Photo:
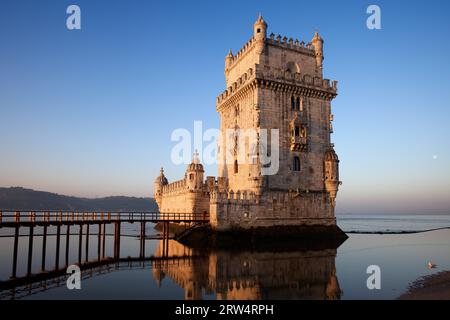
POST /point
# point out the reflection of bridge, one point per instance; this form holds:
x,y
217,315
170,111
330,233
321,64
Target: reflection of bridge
x,y
21,287
58,219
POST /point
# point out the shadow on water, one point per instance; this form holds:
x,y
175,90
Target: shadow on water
x,y
300,270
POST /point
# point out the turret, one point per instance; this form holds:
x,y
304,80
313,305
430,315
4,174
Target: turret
x,y
317,42
194,174
228,61
331,180
160,181
259,33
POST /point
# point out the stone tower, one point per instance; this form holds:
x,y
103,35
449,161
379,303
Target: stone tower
x,y
277,165
160,182
276,82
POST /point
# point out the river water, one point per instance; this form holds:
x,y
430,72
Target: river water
x,y
174,271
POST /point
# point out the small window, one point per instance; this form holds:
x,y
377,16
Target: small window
x,y
191,176
296,163
258,30
236,166
297,104
292,103
297,131
303,132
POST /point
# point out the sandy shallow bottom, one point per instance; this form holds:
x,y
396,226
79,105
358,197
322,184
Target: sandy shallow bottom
x,y
433,287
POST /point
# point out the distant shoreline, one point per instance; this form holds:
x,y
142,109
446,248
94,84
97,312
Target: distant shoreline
x,y
396,232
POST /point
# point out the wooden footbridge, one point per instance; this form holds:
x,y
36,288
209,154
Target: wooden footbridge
x,y
64,221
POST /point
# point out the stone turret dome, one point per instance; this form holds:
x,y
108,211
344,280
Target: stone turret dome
x,y
330,155
195,165
316,37
161,179
260,21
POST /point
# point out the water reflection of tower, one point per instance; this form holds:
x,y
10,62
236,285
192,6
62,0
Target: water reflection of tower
x,y
188,270
250,275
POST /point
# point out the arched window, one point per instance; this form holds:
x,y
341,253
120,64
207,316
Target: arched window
x,y
297,131
296,163
297,104
236,167
292,103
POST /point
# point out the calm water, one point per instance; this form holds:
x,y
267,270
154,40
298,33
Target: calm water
x,y
186,273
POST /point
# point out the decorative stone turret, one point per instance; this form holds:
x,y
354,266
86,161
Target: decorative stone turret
x,y
160,181
317,42
194,174
228,62
331,174
259,33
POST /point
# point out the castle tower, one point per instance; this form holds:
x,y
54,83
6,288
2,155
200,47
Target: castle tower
x,y
194,174
275,86
160,181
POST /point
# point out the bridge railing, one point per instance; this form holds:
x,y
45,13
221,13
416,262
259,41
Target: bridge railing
x,y
55,216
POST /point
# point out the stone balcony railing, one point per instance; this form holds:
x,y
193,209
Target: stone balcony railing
x,y
299,143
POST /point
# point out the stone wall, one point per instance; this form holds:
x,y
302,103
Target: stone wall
x,y
243,210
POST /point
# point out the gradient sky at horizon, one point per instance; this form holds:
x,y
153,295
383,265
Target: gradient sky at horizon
x,y
90,112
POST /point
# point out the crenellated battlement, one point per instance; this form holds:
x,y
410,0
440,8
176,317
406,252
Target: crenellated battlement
x,y
297,79
278,40
242,52
322,87
244,197
175,186
290,43
242,81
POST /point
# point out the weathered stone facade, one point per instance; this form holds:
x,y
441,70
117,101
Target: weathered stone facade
x,y
272,83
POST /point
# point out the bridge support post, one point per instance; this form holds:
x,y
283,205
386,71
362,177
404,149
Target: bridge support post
x,y
16,246
104,239
142,244
99,241
116,240
87,242
58,240
80,243
67,244
44,248
30,249
165,248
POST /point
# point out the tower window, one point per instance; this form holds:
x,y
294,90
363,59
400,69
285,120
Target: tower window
x,y
297,104
258,30
296,163
292,103
303,132
236,167
297,131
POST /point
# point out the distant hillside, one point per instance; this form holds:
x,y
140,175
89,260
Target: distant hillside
x,y
17,198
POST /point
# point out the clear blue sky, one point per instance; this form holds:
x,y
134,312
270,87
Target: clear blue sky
x,y
90,112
